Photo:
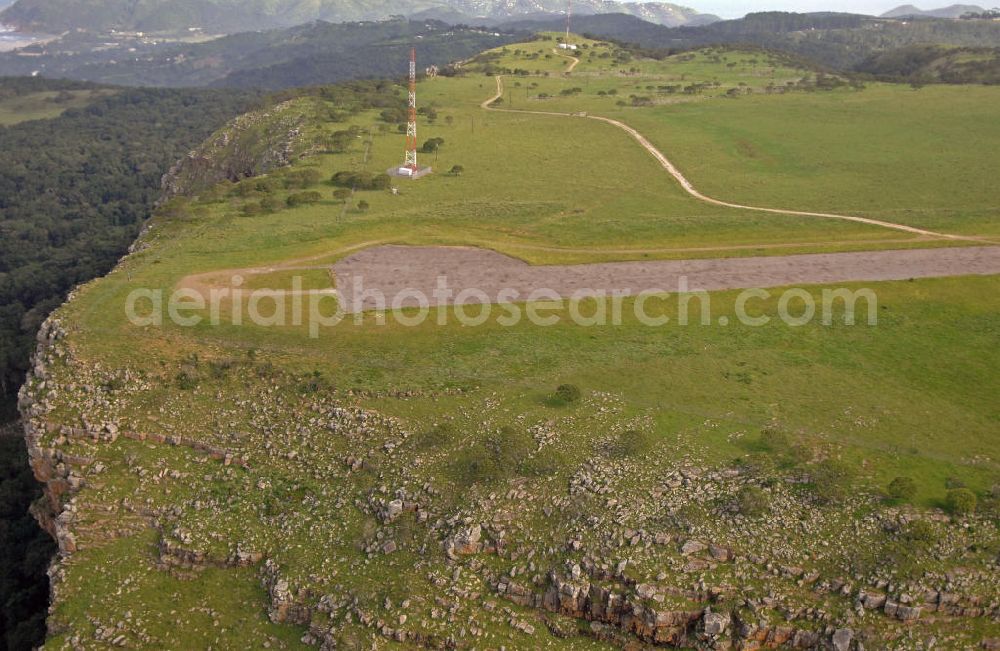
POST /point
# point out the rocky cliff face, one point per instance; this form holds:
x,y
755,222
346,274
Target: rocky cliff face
x,y
250,145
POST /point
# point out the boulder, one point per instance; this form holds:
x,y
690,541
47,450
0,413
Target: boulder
x,y
693,547
842,639
715,624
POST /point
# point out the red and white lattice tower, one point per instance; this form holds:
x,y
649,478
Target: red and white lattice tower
x,y
411,124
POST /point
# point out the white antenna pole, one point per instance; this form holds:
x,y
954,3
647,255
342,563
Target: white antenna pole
x,y
569,17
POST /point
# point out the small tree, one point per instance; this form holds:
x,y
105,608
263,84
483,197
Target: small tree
x,y
960,501
270,204
902,488
456,170
363,206
303,198
342,194
432,145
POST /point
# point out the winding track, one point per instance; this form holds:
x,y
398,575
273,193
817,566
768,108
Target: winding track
x,y
573,59
691,190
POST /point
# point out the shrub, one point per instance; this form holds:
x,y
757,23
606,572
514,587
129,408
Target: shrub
x,y
906,553
219,368
269,204
187,379
632,443
831,480
902,488
362,180
301,179
456,170
919,533
510,446
783,447
500,455
752,501
436,436
567,393
303,198
244,189
363,206
960,501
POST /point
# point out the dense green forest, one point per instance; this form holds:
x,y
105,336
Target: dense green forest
x,y
74,191
838,41
317,53
25,550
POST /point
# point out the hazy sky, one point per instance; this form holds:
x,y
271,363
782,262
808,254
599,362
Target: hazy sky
x,y
737,8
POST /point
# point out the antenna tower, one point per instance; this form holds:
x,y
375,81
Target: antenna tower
x,y
411,125
569,18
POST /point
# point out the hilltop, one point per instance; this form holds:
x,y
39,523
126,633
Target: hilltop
x,y
228,480
951,11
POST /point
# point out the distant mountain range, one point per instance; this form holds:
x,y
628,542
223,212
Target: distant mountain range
x,y
232,16
954,11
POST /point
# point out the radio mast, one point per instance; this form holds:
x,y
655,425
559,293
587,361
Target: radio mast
x,y
569,18
411,125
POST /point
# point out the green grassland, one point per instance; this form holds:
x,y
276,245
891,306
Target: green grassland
x,y
44,105
888,151
913,395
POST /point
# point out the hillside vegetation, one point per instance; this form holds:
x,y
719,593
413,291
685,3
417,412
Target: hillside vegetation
x,y
922,64
565,487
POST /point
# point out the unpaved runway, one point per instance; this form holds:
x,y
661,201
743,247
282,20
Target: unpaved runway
x,y
390,270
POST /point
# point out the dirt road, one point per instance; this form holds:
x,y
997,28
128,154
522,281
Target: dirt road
x,y
573,61
392,269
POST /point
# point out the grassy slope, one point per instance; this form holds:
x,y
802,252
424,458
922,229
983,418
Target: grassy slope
x,y
920,158
40,106
915,394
